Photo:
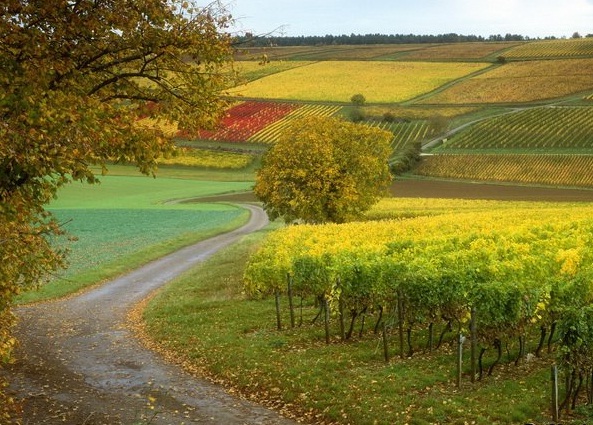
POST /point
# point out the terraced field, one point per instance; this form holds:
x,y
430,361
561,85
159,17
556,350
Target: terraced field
x,y
557,128
552,49
538,169
521,82
497,92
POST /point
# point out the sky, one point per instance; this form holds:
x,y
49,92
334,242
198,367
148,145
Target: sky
x,y
531,18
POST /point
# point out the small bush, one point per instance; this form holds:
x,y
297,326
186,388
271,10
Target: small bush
x,y
358,99
357,115
389,117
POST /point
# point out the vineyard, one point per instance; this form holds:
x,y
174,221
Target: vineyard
x,y
263,122
567,129
337,81
520,82
404,133
555,170
502,278
318,53
271,132
420,91
552,49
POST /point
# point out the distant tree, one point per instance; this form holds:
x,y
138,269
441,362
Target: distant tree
x,y
576,35
75,76
324,170
358,99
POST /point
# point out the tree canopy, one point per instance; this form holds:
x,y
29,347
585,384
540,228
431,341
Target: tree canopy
x,y
75,76
324,170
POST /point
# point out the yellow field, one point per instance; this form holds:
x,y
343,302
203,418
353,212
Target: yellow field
x,y
381,82
208,159
521,82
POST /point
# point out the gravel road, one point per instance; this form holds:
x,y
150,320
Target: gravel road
x,y
79,364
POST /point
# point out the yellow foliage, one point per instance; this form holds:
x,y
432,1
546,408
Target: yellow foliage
x,y
208,159
169,129
569,260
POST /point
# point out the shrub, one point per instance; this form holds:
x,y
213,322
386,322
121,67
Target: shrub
x,y
358,99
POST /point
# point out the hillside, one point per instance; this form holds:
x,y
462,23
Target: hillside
x,y
528,104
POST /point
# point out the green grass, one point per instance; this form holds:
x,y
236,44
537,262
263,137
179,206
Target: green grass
x,y
207,322
128,220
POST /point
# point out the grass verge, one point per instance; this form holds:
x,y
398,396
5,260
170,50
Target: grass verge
x,y
204,321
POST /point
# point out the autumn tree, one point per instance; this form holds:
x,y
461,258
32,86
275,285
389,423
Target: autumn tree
x,y
324,170
75,76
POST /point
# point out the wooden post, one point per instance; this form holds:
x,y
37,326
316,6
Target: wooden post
x,y
326,308
474,343
460,340
341,313
385,344
555,412
400,319
278,320
290,304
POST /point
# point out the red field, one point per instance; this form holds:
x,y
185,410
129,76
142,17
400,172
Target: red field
x,y
245,119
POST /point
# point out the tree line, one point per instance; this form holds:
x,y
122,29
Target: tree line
x,y
249,39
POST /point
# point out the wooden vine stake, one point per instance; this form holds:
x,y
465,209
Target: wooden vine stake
x,y
474,343
326,308
278,320
400,319
555,411
290,303
460,340
341,314
385,344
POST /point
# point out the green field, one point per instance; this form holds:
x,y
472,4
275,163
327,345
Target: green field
x,y
128,220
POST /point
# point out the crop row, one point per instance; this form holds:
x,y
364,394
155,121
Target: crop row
x,y
270,133
258,121
245,119
532,129
556,170
404,133
506,271
552,49
520,82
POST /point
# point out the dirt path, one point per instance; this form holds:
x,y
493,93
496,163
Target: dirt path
x,y
79,364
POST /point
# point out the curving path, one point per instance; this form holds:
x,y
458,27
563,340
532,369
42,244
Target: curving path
x,y
79,364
